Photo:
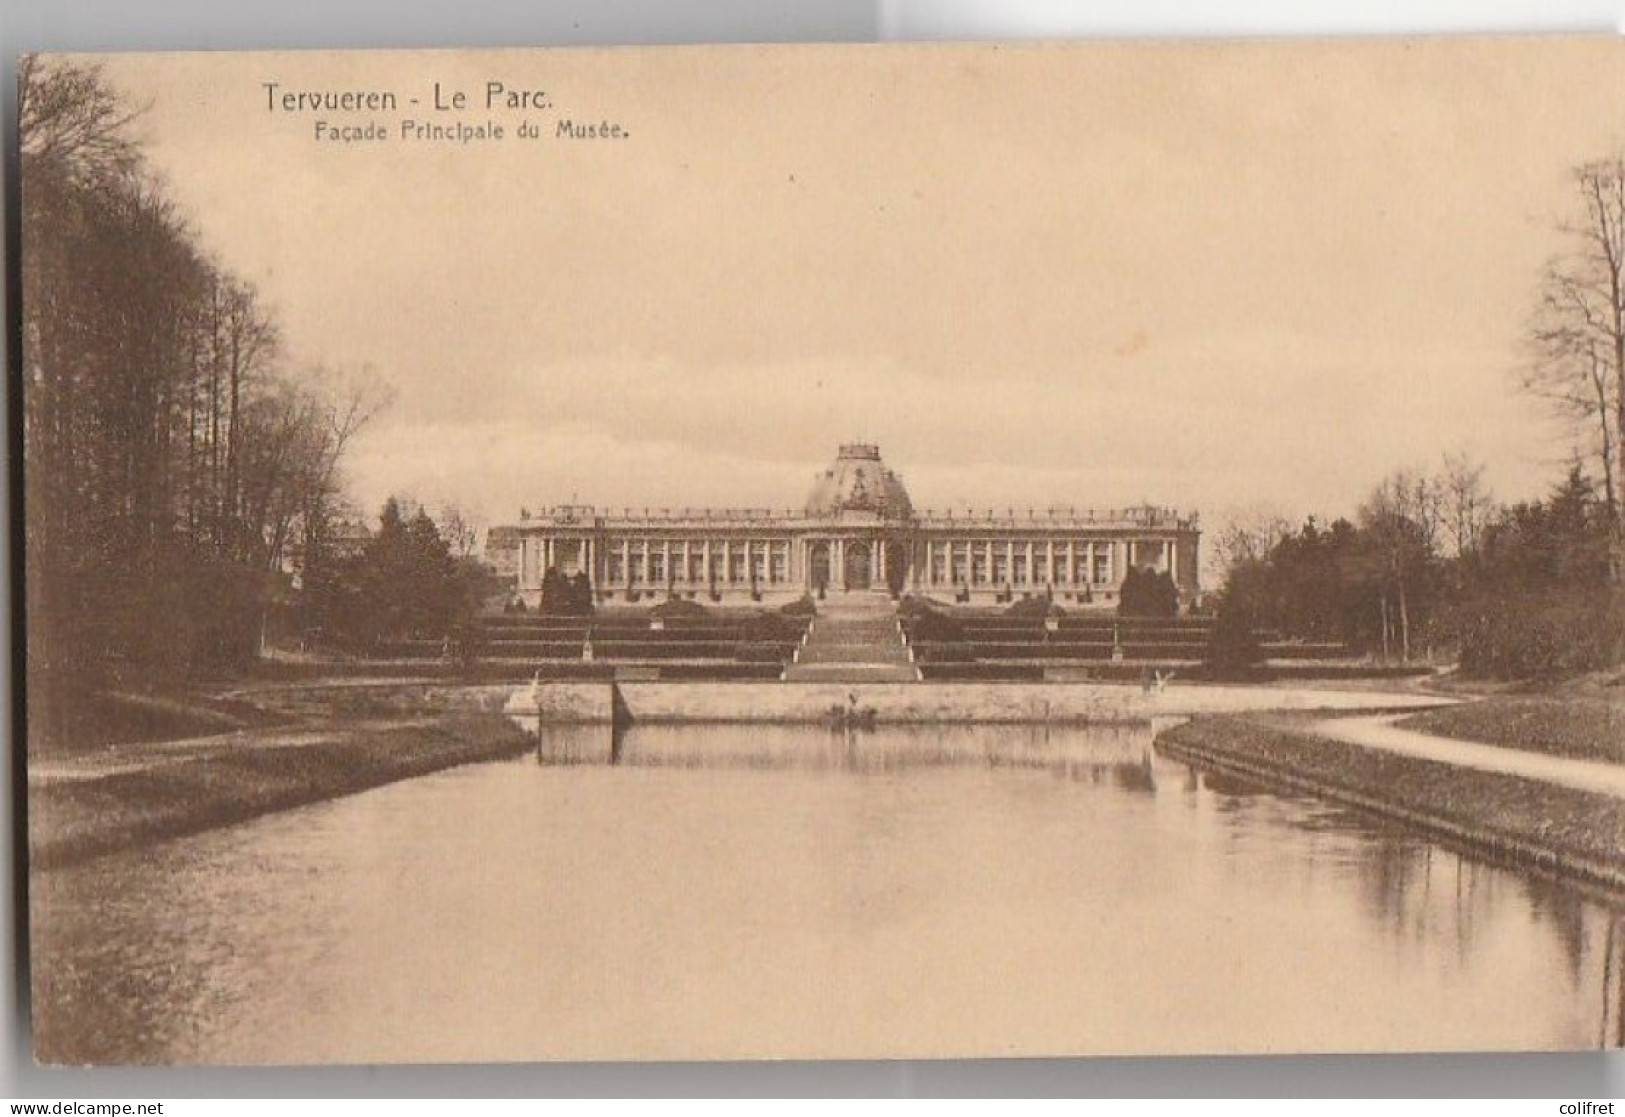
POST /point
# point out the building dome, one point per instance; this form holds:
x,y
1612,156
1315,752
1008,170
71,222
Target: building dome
x,y
859,482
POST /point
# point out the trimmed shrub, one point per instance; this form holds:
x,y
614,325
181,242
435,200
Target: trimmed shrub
x,y
677,608
803,607
772,627
1035,608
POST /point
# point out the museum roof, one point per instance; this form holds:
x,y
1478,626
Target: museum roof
x,y
859,487
858,481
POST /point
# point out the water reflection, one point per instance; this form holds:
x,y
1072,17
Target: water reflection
x,y
1124,753
730,891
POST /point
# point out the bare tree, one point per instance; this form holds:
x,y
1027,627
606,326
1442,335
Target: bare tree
x,y
1576,356
1467,503
70,119
339,407
459,528
1247,535
1401,520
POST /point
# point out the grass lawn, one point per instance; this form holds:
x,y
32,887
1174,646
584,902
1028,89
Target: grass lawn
x,y
72,819
1579,726
1508,815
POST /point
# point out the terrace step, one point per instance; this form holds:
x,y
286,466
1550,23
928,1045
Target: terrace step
x,y
855,638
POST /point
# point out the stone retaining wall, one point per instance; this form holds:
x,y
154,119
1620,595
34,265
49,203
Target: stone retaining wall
x,y
899,703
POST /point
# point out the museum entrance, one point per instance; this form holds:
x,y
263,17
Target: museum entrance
x,y
896,564
818,567
857,566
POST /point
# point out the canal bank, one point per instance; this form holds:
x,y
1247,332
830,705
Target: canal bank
x,y
907,703
83,805
1525,823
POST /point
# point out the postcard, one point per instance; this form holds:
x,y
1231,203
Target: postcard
x,y
825,552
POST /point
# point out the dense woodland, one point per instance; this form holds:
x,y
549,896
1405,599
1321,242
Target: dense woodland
x,y
1515,592
176,466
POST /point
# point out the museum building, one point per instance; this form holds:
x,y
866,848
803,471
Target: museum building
x,y
857,531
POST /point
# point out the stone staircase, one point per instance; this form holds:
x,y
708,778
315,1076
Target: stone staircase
x,y
855,638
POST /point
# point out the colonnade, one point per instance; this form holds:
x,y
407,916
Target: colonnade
x,y
933,560
996,562
617,560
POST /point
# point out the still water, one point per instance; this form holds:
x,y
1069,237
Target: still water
x,y
789,892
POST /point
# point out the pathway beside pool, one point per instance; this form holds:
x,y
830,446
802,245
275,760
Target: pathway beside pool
x,y
1379,732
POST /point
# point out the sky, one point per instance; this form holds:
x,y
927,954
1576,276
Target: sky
x,y
1210,276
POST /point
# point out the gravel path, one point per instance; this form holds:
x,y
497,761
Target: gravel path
x,y
1380,733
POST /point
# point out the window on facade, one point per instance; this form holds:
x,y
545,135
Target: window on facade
x,y
696,564
1020,567
939,566
657,566
1001,572
779,571
736,564
614,570
1103,568
978,567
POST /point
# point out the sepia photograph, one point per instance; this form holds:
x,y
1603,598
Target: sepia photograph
x,y
946,551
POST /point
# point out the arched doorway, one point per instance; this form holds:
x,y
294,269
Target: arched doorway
x,y
896,567
857,566
818,567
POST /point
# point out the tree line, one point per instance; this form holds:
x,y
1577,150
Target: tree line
x,y
1431,563
173,463
411,578
1433,569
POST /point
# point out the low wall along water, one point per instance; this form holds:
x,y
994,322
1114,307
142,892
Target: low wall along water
x,y
916,703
